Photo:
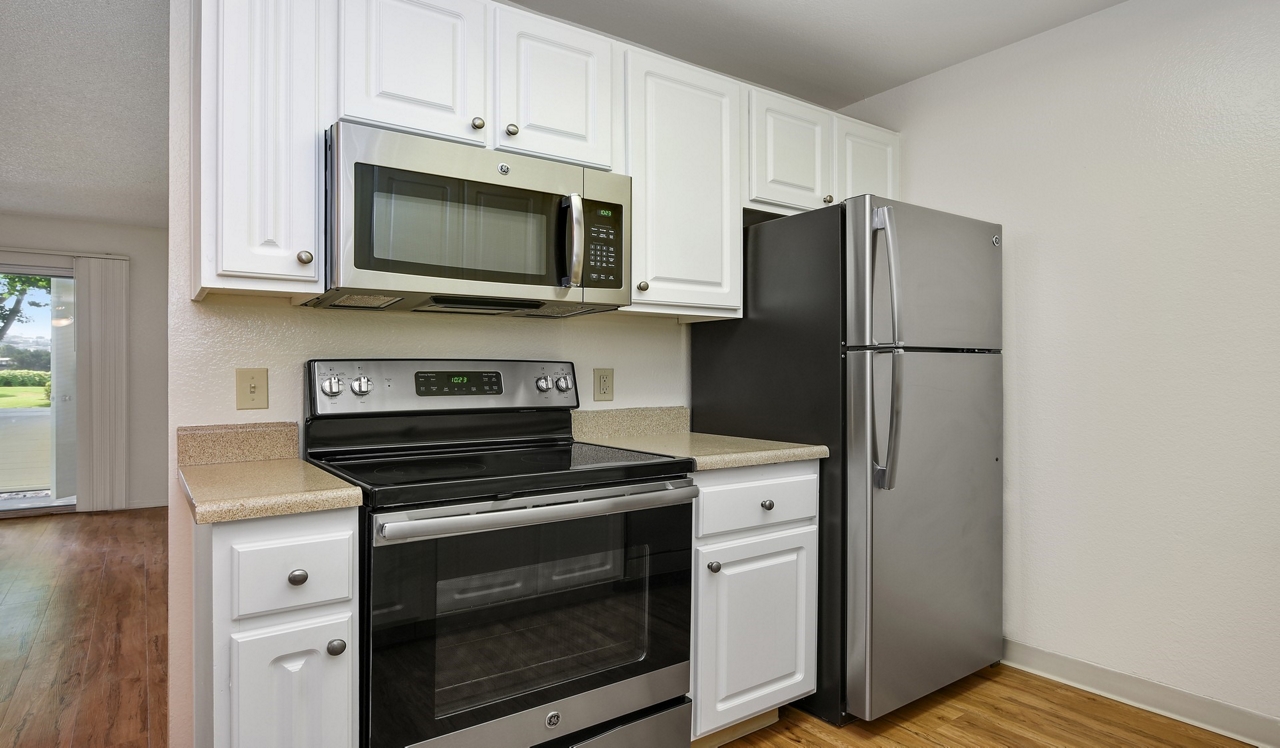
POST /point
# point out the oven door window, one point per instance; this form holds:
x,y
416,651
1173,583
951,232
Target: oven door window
x,y
421,224
473,628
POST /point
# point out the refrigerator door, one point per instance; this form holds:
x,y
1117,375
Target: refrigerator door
x,y
925,558
947,270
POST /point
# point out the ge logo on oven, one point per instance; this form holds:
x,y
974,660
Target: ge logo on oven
x,y
553,719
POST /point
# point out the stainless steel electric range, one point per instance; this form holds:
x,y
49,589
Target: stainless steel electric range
x,y
518,588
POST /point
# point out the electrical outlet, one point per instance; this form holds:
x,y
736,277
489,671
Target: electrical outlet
x,y
251,389
604,384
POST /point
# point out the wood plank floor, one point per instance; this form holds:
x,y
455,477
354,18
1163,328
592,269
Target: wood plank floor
x,y
1000,706
83,630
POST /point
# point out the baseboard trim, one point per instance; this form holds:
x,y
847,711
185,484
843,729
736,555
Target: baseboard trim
x,y
1218,716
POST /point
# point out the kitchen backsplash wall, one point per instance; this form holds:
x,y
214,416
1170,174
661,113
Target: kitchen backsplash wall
x,y
211,338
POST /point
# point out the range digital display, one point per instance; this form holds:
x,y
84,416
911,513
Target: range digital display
x,y
448,383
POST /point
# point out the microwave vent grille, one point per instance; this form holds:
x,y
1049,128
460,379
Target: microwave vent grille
x,y
365,301
563,311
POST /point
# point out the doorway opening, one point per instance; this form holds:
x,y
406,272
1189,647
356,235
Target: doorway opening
x,y
37,390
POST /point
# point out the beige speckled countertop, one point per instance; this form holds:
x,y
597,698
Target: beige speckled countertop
x,y
263,488
245,471
666,431
713,452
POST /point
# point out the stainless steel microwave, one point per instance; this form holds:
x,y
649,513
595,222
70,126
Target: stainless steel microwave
x,y
417,224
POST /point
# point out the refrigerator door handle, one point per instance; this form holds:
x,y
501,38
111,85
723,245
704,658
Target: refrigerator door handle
x,y
882,220
886,475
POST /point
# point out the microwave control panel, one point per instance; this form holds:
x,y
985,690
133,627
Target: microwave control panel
x,y
603,267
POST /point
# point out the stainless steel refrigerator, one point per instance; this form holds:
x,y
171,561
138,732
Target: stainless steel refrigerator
x,y
873,327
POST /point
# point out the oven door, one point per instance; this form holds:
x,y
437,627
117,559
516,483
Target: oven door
x,y
443,226
487,619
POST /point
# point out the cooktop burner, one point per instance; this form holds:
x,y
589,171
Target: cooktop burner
x,y
426,477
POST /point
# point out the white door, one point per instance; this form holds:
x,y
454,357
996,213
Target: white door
x,y
416,64
288,691
790,151
555,90
756,625
866,160
263,182
683,146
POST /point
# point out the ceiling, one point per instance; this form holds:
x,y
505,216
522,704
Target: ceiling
x,y
84,85
830,52
84,109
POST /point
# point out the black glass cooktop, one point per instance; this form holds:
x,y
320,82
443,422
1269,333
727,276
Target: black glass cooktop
x,y
439,476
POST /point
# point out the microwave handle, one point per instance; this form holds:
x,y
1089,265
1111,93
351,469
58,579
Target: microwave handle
x,y
576,241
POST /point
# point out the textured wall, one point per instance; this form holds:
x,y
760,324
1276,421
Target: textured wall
x,y
148,260
211,338
1133,157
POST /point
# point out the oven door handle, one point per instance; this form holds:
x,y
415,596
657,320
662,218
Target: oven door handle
x,y
443,527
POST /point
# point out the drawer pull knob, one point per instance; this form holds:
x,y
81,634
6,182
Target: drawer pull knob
x,y
298,577
336,647
714,566
767,504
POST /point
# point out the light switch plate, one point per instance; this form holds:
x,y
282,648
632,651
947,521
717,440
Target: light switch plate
x,y
604,384
251,389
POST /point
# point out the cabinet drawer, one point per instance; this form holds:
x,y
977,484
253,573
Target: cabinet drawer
x,y
260,573
740,506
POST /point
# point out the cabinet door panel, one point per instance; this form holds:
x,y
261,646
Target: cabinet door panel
x,y
262,154
555,85
790,151
867,160
756,639
288,692
418,64
683,155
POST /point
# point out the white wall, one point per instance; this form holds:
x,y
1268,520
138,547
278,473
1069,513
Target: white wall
x,y
211,338
1133,157
146,249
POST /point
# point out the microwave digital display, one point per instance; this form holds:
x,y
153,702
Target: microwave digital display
x,y
446,383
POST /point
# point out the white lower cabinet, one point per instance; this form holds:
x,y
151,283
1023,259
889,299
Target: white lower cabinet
x,y
755,593
290,685
276,632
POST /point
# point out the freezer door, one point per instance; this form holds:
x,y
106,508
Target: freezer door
x,y
947,270
925,558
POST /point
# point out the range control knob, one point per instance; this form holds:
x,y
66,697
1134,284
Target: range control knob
x,y
331,386
563,384
361,385
543,383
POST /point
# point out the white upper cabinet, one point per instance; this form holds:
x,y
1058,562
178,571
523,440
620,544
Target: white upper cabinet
x,y
866,160
418,64
683,154
554,90
268,97
790,152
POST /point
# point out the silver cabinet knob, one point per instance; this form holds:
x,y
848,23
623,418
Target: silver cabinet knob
x,y
305,257
767,504
642,286
298,577
714,566
477,123
828,199
512,130
361,385
336,647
